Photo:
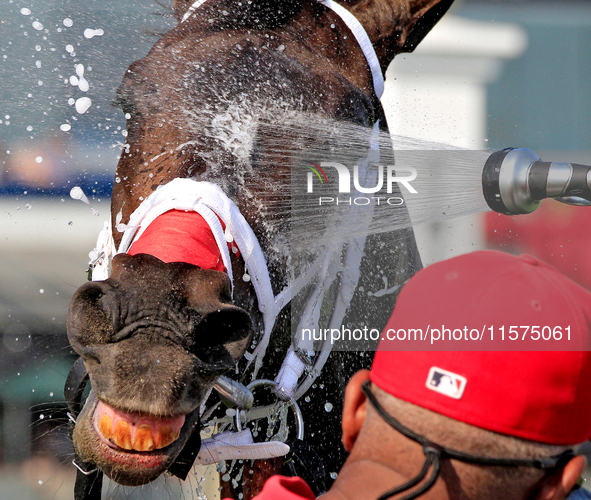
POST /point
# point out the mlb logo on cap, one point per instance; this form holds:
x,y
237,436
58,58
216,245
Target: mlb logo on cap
x,y
446,383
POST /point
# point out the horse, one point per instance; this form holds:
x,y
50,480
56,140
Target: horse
x,y
194,291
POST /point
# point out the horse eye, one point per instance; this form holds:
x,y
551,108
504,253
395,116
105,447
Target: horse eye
x,y
126,105
124,101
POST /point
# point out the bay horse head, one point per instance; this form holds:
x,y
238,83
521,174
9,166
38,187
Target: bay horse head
x,y
157,333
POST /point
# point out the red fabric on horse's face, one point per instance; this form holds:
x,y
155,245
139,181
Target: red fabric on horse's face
x,y
178,236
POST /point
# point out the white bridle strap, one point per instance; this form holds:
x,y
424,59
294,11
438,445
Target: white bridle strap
x,y
364,42
192,9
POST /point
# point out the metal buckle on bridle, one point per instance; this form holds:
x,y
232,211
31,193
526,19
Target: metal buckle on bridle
x,y
299,418
85,472
93,264
302,460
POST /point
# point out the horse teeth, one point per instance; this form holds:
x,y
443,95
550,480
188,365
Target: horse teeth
x,y
106,426
164,437
143,439
122,435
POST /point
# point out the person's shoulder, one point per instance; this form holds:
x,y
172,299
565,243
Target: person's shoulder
x,y
285,488
580,494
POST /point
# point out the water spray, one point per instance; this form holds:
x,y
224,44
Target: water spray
x,y
515,181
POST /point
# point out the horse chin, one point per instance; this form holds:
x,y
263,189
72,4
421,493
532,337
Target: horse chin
x,y
127,467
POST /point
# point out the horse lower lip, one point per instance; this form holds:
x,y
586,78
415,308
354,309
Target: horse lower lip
x,y
134,431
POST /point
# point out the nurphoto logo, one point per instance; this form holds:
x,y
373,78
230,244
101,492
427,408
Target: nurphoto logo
x,y
375,178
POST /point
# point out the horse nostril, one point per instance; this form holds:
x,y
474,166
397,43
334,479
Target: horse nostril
x,y
90,356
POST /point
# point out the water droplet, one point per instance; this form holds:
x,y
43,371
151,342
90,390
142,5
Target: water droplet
x,y
83,84
83,104
68,23
328,407
76,193
25,11
41,290
51,394
333,475
39,159
70,223
90,33
37,25
65,127
246,278
29,128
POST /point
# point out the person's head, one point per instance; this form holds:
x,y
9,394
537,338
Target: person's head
x,y
526,408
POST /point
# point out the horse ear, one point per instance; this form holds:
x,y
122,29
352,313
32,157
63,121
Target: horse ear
x,y
432,12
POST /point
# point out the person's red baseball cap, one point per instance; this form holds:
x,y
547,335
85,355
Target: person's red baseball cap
x,y
542,396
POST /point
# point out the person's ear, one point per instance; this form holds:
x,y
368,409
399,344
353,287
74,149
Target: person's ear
x,y
558,485
354,409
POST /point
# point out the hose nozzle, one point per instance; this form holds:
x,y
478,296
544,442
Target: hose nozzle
x,y
515,181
